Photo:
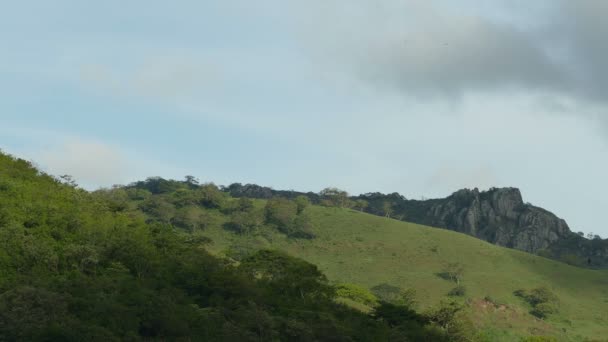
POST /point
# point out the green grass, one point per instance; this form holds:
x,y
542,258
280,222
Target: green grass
x,y
354,247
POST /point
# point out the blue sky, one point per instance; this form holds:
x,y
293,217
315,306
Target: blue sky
x,y
418,97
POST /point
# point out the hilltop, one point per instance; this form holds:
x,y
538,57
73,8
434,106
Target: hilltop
x,y
499,216
354,247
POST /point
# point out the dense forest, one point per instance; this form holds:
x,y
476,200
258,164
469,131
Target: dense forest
x,y
130,263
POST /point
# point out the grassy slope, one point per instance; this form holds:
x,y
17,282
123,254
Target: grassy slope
x,y
368,250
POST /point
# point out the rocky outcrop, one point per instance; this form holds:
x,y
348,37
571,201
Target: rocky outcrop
x,y
499,216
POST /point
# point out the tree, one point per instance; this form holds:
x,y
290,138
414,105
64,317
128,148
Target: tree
x,y
210,196
68,180
244,204
454,271
448,316
302,202
287,274
543,301
191,180
280,212
458,291
302,227
158,208
335,196
188,218
245,222
387,208
361,204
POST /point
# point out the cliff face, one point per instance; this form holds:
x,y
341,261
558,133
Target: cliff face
x,y
499,216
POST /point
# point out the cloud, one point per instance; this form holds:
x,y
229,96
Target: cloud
x,y
580,29
91,163
424,49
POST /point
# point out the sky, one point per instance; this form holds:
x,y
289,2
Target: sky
x,y
417,97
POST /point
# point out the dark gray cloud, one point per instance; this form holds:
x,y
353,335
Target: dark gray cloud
x,y
581,30
428,48
467,54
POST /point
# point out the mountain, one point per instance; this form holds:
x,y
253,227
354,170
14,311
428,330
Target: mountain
x,y
499,216
371,251
499,288
162,260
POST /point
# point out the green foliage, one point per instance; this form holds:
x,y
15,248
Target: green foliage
x,y
245,222
189,218
290,275
387,292
453,271
458,291
358,248
448,316
335,197
543,301
302,202
361,204
543,310
395,295
280,212
79,266
210,196
283,214
357,293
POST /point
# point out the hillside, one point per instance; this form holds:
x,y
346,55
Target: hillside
x,y
355,247
80,266
499,216
178,260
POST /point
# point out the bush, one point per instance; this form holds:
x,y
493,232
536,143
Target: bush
x,y
386,292
541,295
543,310
458,291
395,295
543,301
357,293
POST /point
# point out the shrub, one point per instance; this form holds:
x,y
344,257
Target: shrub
x,y
458,291
541,295
357,293
395,295
543,310
543,301
386,292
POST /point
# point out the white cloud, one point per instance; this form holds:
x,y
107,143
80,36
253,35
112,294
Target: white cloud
x,y
91,163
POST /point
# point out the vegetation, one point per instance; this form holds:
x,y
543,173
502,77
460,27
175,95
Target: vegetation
x,y
458,291
356,293
390,257
543,301
131,264
179,260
